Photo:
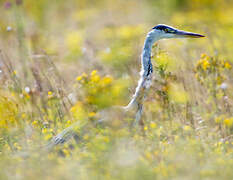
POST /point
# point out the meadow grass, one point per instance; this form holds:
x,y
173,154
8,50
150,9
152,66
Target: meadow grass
x,y
75,62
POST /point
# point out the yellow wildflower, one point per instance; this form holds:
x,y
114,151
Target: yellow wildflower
x,y
44,130
148,155
187,128
91,114
203,55
95,78
205,64
34,123
23,115
48,136
66,152
153,125
106,139
94,72
27,96
68,122
79,78
227,65
228,122
107,80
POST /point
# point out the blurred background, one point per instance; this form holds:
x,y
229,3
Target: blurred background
x,y
66,61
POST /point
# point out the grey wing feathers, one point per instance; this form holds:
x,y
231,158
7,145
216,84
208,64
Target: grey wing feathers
x,y
61,138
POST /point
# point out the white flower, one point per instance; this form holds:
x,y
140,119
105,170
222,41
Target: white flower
x,y
9,28
27,89
223,86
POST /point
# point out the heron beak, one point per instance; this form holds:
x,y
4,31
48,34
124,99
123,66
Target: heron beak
x,y
188,34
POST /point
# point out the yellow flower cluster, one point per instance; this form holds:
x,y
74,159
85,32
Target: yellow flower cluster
x,y
48,133
8,112
211,66
206,62
99,91
78,110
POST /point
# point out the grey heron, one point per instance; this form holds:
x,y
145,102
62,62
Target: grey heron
x,y
161,31
158,32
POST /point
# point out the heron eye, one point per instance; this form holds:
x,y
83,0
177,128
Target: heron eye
x,y
166,30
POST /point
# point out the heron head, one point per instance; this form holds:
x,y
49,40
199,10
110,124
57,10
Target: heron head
x,y
163,31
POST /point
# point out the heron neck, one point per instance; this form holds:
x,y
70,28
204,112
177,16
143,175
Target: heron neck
x,y
146,70
150,40
146,54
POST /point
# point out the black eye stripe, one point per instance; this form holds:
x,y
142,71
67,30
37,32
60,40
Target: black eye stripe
x,y
160,27
164,28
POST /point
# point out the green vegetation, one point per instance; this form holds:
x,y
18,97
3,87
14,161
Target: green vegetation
x,y
65,62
